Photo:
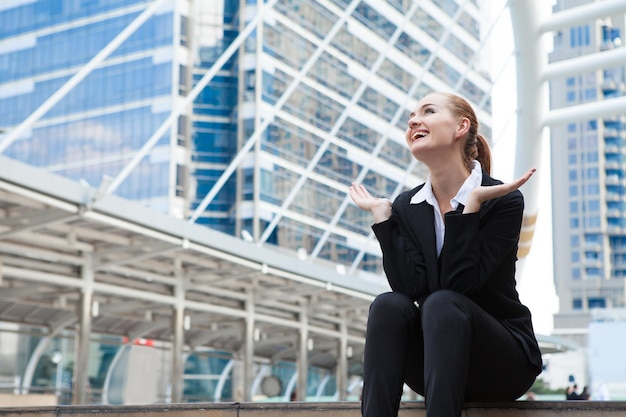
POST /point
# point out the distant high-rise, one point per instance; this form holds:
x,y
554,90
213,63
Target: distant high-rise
x,y
588,162
313,96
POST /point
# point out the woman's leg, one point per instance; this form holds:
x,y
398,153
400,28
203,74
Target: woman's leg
x,y
393,336
468,355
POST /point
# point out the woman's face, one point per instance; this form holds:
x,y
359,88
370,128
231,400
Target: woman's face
x,y
431,127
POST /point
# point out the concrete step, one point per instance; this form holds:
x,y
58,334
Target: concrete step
x,y
329,409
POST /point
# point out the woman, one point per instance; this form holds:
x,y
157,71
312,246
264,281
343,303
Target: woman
x,y
453,329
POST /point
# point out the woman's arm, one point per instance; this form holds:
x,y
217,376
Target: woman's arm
x,y
481,194
403,262
476,244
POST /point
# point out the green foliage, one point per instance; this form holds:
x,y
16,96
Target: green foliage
x,y
540,387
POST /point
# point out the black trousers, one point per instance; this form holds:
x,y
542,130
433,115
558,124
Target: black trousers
x,y
450,351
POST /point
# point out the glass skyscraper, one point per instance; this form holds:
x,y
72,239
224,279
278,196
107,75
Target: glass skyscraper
x,y
588,173
311,96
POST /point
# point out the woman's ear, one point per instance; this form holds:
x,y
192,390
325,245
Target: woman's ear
x,y
463,128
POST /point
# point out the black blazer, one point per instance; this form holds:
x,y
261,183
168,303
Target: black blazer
x,y
477,259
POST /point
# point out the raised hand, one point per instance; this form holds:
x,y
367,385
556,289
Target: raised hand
x,y
482,194
380,207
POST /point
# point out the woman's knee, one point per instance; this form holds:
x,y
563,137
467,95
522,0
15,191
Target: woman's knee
x,y
444,305
392,305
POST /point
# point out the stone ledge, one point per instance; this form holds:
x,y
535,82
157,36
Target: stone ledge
x,y
314,409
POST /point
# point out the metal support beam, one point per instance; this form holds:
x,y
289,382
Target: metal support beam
x,y
587,111
124,349
41,347
248,349
342,361
178,323
81,374
577,15
80,75
270,118
586,63
295,189
188,100
303,354
47,220
221,382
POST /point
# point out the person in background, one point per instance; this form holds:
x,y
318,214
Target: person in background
x,y
452,328
572,393
585,394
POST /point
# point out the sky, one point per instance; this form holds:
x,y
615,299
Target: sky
x,y
535,271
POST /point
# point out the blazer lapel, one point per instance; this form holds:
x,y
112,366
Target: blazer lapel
x,y
422,221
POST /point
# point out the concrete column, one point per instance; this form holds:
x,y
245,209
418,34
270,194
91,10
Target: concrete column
x,y
178,323
532,103
248,349
303,354
342,361
81,376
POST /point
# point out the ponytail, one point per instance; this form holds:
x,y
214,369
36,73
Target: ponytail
x,y
484,153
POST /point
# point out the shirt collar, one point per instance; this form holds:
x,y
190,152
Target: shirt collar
x,y
473,181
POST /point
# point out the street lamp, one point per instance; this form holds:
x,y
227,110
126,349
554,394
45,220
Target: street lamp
x,y
57,359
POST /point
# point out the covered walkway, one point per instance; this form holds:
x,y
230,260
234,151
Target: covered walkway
x,y
74,259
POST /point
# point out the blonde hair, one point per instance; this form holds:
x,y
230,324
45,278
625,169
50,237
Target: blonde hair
x,y
476,146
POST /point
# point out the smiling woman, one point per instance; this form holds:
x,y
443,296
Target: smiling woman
x,y
447,111
453,323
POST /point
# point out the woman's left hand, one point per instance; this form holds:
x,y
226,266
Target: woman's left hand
x,y
482,194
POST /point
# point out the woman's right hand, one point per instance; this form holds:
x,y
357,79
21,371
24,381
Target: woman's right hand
x,y
380,207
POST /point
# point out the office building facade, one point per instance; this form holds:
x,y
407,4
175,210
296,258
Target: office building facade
x,y
248,117
322,87
589,192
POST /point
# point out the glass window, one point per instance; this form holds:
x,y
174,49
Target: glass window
x,y
593,205
592,157
594,221
592,273
571,144
592,173
590,94
573,175
593,189
558,40
591,141
573,191
374,20
577,304
596,302
593,239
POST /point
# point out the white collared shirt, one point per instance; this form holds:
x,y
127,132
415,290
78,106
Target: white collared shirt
x,y
426,194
